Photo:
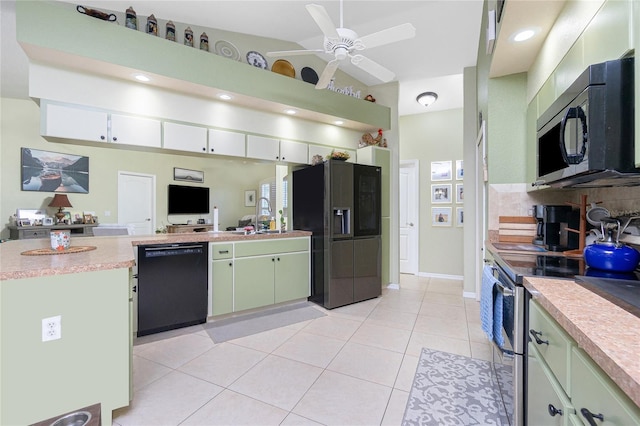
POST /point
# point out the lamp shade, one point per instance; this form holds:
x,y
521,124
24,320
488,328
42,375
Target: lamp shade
x,y
60,200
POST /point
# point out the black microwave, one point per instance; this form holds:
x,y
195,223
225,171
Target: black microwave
x,y
586,137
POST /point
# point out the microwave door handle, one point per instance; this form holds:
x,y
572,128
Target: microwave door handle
x,y
574,113
571,113
585,136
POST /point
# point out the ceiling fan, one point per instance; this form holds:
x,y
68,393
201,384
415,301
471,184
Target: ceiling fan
x,y
342,43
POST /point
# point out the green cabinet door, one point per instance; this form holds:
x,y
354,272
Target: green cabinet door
x,y
547,404
254,279
291,276
222,286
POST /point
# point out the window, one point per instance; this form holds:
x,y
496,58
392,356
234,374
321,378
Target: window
x,y
268,191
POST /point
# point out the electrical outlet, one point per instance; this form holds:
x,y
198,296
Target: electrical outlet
x,y
107,213
51,328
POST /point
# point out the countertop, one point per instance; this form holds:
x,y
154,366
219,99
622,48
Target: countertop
x,y
110,253
608,333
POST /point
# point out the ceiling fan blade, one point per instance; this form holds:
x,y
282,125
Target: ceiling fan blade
x,y
390,35
293,52
320,15
373,68
326,75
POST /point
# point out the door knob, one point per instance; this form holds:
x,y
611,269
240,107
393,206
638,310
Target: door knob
x,y
411,224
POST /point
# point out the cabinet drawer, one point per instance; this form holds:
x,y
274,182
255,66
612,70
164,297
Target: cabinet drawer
x,y
555,344
35,233
221,251
595,391
260,248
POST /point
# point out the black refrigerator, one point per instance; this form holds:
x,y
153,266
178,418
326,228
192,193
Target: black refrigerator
x,y
340,203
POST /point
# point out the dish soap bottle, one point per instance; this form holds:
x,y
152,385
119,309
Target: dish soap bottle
x,y
272,224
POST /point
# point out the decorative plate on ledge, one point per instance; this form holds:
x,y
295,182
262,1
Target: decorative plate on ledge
x,y
257,60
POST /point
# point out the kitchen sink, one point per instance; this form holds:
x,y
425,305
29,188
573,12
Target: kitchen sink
x,y
271,231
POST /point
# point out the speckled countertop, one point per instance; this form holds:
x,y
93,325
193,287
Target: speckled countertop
x,y
110,252
608,333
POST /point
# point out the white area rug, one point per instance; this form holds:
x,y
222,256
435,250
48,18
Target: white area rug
x,y
451,389
246,325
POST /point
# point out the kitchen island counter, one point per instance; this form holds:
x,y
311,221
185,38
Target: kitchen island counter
x,y
607,333
110,252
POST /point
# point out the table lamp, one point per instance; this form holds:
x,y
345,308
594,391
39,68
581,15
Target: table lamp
x,y
61,201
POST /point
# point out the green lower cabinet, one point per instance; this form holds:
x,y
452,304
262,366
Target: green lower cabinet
x,y
594,393
547,404
254,282
222,286
291,277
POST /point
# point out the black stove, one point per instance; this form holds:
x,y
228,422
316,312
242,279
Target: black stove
x,y
622,289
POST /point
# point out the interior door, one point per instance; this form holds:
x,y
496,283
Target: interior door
x,y
137,202
409,247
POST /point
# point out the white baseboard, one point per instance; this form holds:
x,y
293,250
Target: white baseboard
x,y
469,294
393,286
444,276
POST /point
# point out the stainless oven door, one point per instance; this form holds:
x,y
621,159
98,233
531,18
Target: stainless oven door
x,y
508,360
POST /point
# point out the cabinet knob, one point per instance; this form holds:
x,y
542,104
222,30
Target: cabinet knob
x,y
212,150
204,149
230,264
283,158
272,259
590,416
102,137
535,335
553,410
115,139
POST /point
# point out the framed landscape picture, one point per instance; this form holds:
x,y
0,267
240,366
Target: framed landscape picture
x,y
188,175
459,193
459,169
47,171
459,216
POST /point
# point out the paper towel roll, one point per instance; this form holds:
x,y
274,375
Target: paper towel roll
x,y
215,219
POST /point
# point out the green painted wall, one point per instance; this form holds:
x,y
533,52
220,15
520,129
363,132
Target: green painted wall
x,y
228,178
435,136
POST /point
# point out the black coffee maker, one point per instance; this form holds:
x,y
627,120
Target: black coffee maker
x,y
552,224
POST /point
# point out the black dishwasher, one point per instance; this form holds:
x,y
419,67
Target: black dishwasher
x,y
172,286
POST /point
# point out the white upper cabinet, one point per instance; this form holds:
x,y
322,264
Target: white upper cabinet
x,y
272,149
184,137
263,148
222,142
139,131
293,152
74,123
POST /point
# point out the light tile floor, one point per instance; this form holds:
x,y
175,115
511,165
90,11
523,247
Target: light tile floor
x,y
354,366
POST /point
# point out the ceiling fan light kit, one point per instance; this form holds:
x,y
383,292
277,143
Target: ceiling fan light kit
x,y
342,43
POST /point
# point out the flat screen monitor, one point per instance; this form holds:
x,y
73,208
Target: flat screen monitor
x,y
188,199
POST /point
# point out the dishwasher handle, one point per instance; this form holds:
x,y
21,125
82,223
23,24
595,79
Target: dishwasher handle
x,y
176,247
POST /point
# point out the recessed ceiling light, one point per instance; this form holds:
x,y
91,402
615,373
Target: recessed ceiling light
x,y
290,111
427,98
524,34
224,97
338,122
141,77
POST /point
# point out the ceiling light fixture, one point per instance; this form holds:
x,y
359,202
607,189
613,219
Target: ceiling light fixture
x,y
290,111
225,97
524,34
142,77
338,122
427,98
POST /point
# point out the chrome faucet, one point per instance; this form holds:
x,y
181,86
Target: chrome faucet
x,y
258,205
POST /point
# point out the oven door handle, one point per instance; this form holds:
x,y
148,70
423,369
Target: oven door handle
x,y
506,291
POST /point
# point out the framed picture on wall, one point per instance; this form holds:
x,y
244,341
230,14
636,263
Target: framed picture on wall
x,y
188,175
441,216
440,170
47,171
250,198
441,193
459,169
459,216
459,193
